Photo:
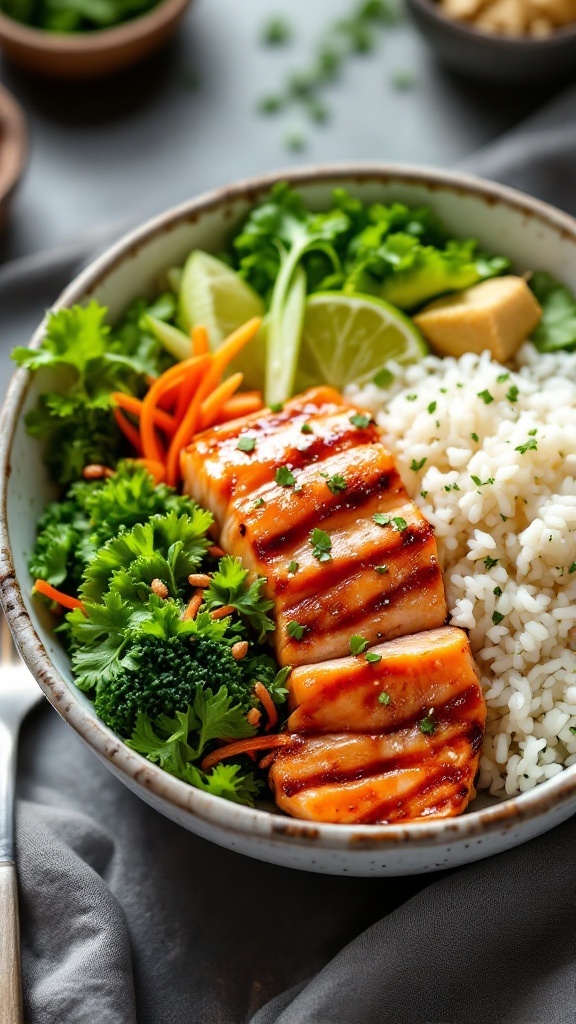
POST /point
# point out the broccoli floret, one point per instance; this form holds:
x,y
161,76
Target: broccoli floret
x,y
162,676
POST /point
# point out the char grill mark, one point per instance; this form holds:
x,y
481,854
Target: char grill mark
x,y
272,545
305,611
410,758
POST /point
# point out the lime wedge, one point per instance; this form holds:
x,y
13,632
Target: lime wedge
x,y
350,338
213,294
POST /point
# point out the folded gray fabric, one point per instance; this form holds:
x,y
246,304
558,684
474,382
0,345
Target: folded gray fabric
x,y
127,918
539,157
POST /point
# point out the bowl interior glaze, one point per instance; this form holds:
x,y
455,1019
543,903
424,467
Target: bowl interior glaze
x,y
533,235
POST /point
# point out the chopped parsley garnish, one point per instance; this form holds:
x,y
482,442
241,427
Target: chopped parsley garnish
x,y
321,545
502,378
384,698
432,407
497,618
276,32
295,630
485,396
572,729
358,644
475,437
284,477
512,393
412,397
481,483
498,591
417,466
305,428
293,567
372,657
490,562
276,407
528,446
427,725
572,568
258,503
503,517
424,494
360,420
381,519
383,379
336,483
246,444
399,524
383,569
532,433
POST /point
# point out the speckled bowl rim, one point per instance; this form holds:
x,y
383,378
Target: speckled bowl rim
x,y
234,818
466,30
96,41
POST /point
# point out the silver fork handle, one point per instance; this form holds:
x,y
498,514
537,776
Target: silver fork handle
x,y
10,985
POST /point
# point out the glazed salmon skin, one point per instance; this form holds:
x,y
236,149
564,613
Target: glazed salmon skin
x,y
380,577
385,740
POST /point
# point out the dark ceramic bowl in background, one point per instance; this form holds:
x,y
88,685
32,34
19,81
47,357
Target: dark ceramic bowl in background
x,y
520,61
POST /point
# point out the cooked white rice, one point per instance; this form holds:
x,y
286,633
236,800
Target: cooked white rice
x,y
506,539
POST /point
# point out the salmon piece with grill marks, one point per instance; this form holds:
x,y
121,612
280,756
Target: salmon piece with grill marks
x,y
380,577
391,740
217,473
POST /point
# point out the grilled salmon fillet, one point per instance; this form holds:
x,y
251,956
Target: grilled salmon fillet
x,y
387,740
216,472
380,575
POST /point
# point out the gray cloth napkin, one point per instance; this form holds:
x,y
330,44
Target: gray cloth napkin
x,y
127,918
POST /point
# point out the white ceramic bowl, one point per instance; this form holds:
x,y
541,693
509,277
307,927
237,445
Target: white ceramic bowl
x,y
532,234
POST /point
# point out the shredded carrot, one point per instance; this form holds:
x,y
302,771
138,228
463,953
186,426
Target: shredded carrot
x,y
156,469
199,340
162,419
235,342
215,551
193,605
212,406
240,405
229,348
186,393
56,595
267,703
221,613
280,739
175,375
128,429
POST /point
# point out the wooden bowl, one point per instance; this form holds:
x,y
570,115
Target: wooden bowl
x,y
78,55
13,149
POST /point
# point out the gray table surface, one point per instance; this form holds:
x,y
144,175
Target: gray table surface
x,y
118,151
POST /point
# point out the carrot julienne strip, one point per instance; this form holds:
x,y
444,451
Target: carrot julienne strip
x,y
200,343
229,348
267,703
175,375
186,393
156,469
240,405
66,600
129,403
280,739
128,429
212,406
